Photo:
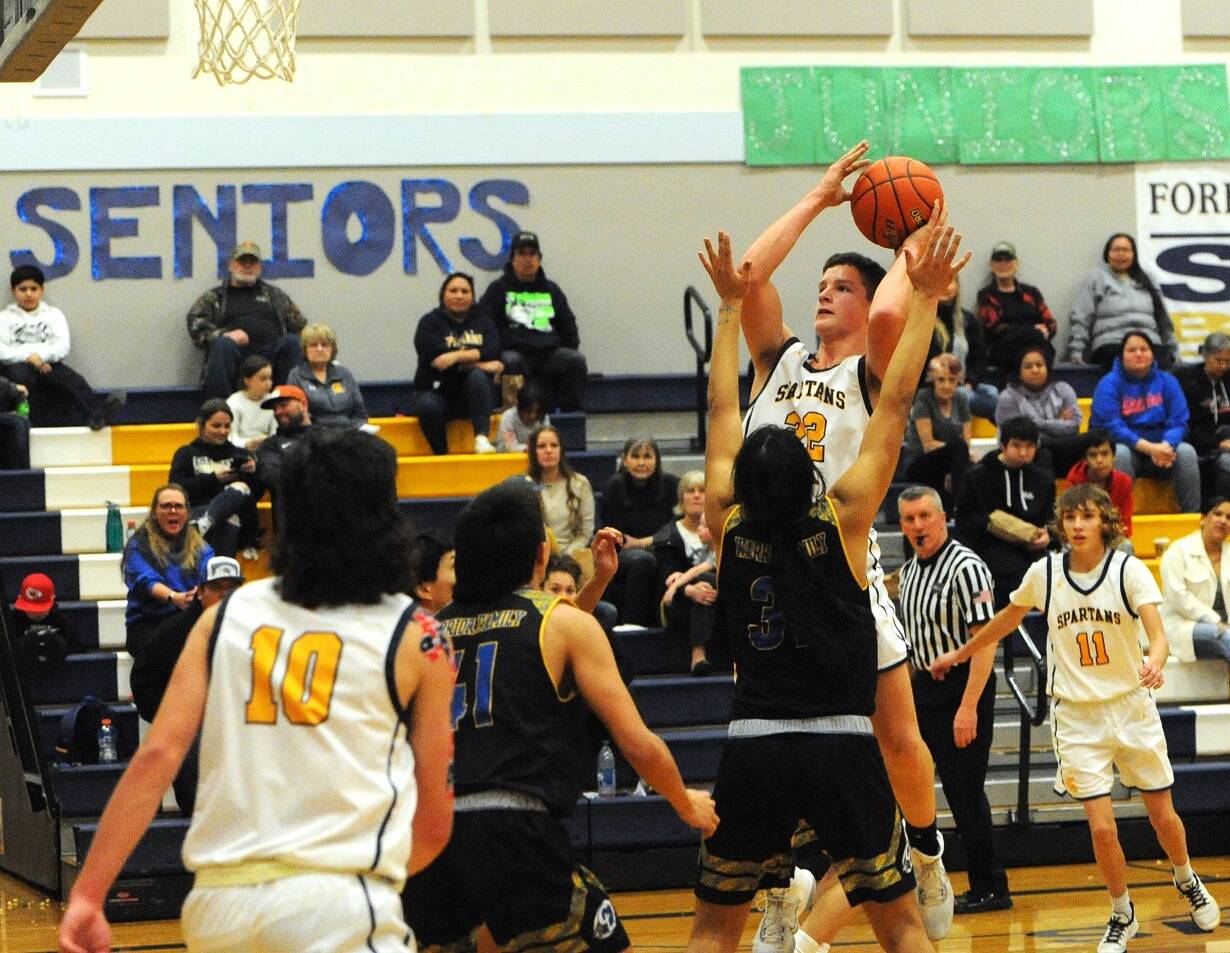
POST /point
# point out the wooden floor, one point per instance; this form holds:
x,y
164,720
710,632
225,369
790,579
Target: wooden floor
x,y
1057,908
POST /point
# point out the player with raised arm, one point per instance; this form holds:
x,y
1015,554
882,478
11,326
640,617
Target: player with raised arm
x,y
792,579
531,666
325,744
827,397
1097,600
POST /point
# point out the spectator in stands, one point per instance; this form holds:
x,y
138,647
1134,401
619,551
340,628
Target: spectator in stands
x,y
937,443
163,564
35,606
34,342
14,427
1144,409
1013,313
220,480
290,409
151,670
434,571
538,331
1196,587
333,394
459,361
563,577
251,422
1048,403
1005,504
959,332
1098,467
517,423
638,500
1117,297
567,497
244,315
1208,427
687,565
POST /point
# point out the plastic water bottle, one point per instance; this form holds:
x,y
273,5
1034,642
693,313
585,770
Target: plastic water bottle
x,y
131,530
23,407
606,770
115,528
107,753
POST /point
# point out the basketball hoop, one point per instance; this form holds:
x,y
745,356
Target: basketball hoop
x,y
243,39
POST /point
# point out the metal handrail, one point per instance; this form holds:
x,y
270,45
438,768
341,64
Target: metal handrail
x,y
1033,714
703,354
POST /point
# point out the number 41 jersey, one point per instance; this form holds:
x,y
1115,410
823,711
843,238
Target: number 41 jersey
x,y
304,756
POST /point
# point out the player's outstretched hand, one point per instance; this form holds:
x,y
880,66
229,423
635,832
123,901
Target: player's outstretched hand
x,y
932,269
941,666
1151,674
701,812
84,929
731,285
605,548
832,190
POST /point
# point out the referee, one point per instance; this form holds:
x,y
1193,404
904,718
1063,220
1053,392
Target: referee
x,y
945,596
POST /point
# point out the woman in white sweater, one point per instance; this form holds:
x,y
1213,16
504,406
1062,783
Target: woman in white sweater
x,y
1196,587
567,497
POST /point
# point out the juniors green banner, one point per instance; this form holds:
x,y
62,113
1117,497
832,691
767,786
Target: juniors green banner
x,y
808,115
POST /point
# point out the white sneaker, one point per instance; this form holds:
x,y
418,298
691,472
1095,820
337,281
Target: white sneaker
x,y
1206,914
782,908
1119,929
483,445
934,891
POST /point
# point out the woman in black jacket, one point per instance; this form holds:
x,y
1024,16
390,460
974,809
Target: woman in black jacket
x,y
220,480
687,566
459,360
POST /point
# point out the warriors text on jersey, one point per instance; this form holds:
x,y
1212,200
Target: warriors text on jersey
x,y
827,407
1093,622
797,621
305,760
516,729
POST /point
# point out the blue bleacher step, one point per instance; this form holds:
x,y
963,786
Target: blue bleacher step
x,y
627,821
652,651
91,673
82,790
124,718
672,701
696,751
157,853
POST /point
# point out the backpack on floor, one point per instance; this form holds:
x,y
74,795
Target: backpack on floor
x,y
78,738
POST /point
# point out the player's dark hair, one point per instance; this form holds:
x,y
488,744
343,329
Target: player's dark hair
x,y
469,279
1161,316
429,549
496,542
1018,428
1082,495
341,538
1212,503
1098,437
561,562
774,478
215,405
27,273
872,272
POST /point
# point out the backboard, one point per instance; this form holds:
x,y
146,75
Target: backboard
x,y
32,33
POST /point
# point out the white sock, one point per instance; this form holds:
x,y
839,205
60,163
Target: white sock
x,y
805,944
1184,874
1122,905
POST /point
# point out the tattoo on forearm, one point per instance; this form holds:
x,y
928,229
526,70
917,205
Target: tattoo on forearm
x,y
726,313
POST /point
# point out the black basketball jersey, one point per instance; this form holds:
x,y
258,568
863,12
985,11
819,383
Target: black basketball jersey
x,y
515,730
798,623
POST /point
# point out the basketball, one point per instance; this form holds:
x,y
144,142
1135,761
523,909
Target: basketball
x,y
892,198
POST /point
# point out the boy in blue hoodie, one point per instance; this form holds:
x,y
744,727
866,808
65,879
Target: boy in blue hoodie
x,y
1143,408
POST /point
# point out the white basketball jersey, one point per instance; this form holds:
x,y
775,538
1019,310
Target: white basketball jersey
x,y
1093,624
828,408
304,754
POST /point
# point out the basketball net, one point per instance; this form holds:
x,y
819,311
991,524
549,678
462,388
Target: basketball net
x,y
245,39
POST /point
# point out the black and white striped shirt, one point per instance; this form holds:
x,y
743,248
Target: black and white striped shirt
x,y
941,597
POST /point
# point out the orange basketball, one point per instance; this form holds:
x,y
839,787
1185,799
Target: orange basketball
x,y
893,197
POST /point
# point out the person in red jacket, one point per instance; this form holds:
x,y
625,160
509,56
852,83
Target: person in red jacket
x,y
1098,468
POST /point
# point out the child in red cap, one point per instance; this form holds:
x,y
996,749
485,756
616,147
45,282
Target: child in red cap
x,y
36,605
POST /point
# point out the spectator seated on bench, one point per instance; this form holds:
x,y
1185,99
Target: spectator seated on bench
x,y
1196,587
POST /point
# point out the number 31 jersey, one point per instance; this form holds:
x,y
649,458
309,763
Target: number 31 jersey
x,y
304,755
828,408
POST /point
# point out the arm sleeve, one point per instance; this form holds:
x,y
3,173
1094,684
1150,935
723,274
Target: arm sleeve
x,y
565,320
1201,434
490,351
1105,413
1032,590
1080,318
1057,426
358,410
586,493
428,341
1007,406
1178,598
988,313
1044,312
59,341
202,325
289,312
139,575
976,338
1177,413
492,305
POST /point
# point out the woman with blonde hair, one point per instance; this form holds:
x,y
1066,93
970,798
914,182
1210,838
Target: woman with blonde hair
x,y
334,399
687,565
163,564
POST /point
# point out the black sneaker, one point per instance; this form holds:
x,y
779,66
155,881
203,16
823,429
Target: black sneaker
x,y
970,902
